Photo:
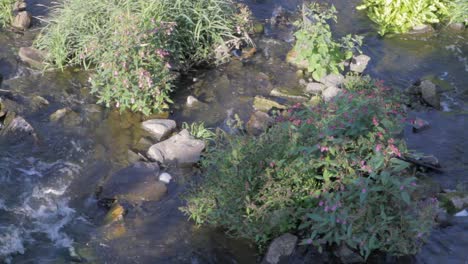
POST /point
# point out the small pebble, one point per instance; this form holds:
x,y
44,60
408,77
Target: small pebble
x,y
165,177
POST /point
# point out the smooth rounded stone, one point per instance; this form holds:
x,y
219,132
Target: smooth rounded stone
x,y
19,6
59,114
333,79
134,184
330,93
287,94
429,94
159,128
258,28
303,82
181,149
165,177
258,123
359,63
314,88
263,104
192,101
17,124
348,256
422,29
38,102
457,26
420,125
31,56
22,20
280,247
300,74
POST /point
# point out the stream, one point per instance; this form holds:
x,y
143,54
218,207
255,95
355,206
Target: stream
x,y
48,212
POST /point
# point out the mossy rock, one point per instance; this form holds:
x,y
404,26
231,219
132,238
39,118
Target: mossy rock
x,y
453,202
263,104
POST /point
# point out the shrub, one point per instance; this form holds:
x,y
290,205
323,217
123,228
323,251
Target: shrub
x,y
402,16
315,46
332,170
135,45
6,15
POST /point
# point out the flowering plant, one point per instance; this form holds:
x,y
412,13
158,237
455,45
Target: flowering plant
x,y
329,172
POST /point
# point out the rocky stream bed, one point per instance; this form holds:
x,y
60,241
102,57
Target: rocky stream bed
x,y
82,183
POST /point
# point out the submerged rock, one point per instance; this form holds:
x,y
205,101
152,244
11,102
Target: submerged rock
x,y
280,247
422,29
114,214
135,184
420,125
181,149
294,96
258,123
347,255
457,26
359,63
31,56
59,114
159,128
22,20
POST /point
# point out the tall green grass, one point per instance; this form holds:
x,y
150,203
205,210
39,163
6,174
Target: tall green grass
x,y
459,11
6,15
134,45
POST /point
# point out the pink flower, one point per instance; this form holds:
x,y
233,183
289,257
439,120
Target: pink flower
x,y
272,164
375,121
309,241
364,190
321,203
323,149
378,148
297,122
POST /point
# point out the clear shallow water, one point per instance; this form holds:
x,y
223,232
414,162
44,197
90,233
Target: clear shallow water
x,y
46,188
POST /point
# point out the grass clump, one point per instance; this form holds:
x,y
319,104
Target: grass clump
x,y
459,11
315,48
329,173
199,131
134,47
6,15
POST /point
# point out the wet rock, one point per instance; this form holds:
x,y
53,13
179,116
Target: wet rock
x,y
249,54
22,20
265,105
71,119
232,124
115,230
192,101
279,16
443,219
422,29
132,156
420,125
258,28
115,213
19,6
359,63
135,184
314,88
181,149
38,102
287,94
330,93
346,255
414,90
457,26
333,79
59,114
165,177
258,123
159,128
429,94
31,56
144,144
280,247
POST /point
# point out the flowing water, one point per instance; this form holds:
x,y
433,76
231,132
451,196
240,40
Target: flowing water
x,y
47,207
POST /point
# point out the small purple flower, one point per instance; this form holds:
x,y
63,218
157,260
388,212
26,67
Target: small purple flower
x,y
364,190
321,203
309,241
402,188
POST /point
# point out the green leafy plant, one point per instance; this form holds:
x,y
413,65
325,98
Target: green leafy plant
x,y
6,15
402,16
134,47
338,160
315,47
199,131
458,11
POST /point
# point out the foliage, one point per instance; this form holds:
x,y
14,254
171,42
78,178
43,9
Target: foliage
x,y
6,16
332,170
135,45
402,16
458,11
315,44
199,131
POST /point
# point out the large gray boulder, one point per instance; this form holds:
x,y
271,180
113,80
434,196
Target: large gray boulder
x,y
159,128
315,88
330,93
429,94
181,149
280,247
